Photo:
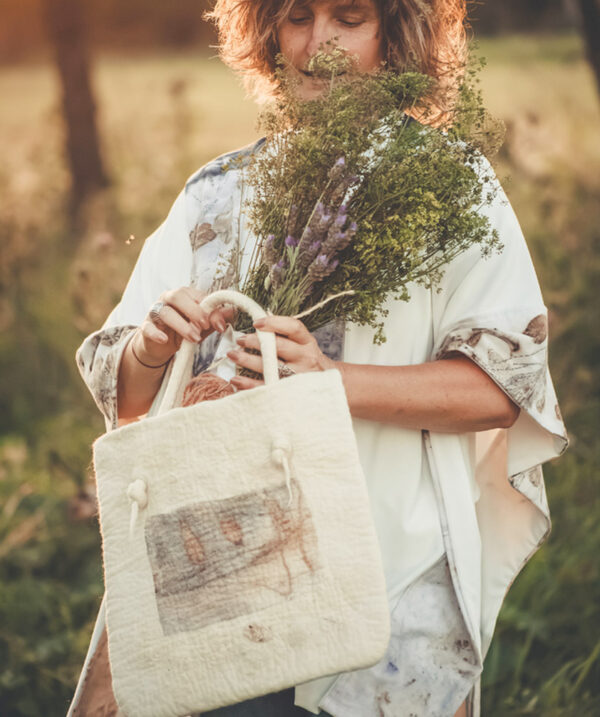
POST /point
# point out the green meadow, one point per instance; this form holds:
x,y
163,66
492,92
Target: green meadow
x,y
160,118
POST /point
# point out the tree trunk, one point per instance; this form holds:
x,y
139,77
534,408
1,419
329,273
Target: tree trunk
x,y
65,21
590,29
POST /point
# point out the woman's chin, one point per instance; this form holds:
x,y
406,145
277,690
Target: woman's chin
x,y
311,88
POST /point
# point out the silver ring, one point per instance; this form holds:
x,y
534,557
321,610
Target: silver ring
x,y
155,310
285,370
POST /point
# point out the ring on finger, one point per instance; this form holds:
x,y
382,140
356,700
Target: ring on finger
x,y
155,310
285,370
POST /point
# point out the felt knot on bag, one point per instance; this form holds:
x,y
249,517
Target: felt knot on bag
x,y
280,453
137,492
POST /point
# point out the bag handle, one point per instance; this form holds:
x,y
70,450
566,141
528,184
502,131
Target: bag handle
x,y
266,340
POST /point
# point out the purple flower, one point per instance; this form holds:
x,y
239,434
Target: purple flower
x,y
341,162
279,264
333,265
270,254
315,246
290,241
321,259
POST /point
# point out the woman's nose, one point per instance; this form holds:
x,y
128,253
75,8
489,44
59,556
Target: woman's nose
x,y
321,31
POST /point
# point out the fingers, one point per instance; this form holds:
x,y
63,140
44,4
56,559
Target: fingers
x,y
151,332
217,320
288,326
175,321
219,317
246,360
287,350
185,302
243,383
183,315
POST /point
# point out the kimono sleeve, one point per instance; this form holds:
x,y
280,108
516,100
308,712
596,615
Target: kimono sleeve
x,y
491,310
164,263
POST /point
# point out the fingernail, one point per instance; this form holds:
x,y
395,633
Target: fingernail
x,y
195,334
162,337
232,354
259,322
222,326
241,341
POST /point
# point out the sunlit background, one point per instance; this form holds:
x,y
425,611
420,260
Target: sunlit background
x,y
165,105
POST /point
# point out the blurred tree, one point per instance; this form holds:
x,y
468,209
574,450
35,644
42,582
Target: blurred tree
x,y
493,18
65,21
590,29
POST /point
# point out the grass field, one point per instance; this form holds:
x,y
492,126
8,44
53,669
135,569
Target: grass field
x,y
160,118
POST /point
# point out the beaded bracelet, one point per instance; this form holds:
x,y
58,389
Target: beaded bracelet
x,y
147,365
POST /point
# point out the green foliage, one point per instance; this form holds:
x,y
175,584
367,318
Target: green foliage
x,y
50,569
545,656
387,201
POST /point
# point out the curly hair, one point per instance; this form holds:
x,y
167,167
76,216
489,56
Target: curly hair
x,y
428,36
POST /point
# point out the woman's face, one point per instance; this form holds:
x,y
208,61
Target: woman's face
x,y
354,24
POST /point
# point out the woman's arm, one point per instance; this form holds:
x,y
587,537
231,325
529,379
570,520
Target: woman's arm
x,y
449,395
453,395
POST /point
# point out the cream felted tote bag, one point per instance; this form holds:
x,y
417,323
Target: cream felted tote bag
x,y
239,552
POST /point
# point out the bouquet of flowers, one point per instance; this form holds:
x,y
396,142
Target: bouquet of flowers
x,y
353,198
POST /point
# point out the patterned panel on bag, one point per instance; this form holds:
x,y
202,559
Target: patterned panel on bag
x,y
221,559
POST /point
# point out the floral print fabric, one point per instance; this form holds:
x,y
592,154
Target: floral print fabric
x,y
98,360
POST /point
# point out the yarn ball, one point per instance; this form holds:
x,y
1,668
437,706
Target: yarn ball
x,y
206,387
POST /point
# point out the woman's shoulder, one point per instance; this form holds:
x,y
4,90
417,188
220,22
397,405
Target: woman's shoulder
x,y
224,163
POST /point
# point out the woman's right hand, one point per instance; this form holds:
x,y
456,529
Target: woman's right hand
x,y
181,317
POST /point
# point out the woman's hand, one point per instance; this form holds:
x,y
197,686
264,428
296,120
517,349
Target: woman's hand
x,y
180,317
296,347
175,317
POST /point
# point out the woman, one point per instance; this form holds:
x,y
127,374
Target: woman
x,y
453,415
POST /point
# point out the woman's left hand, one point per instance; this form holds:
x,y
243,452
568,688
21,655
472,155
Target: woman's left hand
x,y
296,347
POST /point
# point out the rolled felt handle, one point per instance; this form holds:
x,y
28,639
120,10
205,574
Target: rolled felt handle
x,y
266,340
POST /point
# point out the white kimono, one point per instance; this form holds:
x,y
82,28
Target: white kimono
x,y
476,500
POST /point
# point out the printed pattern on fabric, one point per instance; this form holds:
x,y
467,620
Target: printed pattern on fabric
x,y
330,338
430,665
530,483
517,362
98,361
233,556
217,190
